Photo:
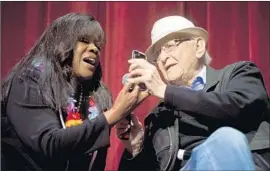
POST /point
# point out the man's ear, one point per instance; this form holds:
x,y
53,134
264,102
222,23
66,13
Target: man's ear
x,y
200,47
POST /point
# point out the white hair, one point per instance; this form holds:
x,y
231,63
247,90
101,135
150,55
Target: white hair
x,y
207,58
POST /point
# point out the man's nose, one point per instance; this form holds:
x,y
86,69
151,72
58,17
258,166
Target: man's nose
x,y
162,57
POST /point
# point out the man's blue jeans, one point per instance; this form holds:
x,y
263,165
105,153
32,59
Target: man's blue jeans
x,y
225,149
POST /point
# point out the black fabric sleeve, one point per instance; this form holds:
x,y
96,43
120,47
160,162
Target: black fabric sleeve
x,y
39,127
245,94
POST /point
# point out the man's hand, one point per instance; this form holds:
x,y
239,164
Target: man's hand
x,y
136,137
140,71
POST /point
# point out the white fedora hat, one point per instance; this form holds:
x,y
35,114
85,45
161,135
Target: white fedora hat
x,y
169,28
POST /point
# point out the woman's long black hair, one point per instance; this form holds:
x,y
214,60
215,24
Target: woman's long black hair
x,y
55,50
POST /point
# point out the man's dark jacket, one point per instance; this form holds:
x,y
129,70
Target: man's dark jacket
x,y
234,96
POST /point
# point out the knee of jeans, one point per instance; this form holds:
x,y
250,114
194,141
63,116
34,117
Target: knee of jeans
x,y
231,136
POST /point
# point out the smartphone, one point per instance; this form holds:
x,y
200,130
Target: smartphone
x,y
135,55
125,135
139,55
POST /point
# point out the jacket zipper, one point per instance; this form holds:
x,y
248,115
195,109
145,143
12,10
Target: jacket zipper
x,y
169,150
172,147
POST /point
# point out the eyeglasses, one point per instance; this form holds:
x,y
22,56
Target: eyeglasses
x,y
168,47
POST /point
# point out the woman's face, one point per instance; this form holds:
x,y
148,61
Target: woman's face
x,y
85,59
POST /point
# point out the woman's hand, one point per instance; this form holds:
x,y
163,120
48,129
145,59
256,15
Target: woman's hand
x,y
124,103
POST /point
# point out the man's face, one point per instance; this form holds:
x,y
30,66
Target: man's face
x,y
178,59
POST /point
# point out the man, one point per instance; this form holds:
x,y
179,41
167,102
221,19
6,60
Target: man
x,y
195,127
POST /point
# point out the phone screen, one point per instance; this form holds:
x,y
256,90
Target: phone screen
x,y
138,55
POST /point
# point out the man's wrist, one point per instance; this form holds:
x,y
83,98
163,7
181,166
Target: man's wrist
x,y
161,91
135,152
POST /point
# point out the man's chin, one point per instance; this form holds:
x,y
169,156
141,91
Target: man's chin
x,y
175,81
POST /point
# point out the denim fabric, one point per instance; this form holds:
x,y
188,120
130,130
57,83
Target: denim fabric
x,y
225,149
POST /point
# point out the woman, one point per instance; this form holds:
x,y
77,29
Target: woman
x,y
56,113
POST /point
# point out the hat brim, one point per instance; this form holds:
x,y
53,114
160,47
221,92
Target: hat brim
x,y
185,33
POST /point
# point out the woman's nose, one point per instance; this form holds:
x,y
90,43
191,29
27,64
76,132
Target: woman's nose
x,y
93,48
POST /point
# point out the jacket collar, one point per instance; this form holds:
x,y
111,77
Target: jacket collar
x,y
212,77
